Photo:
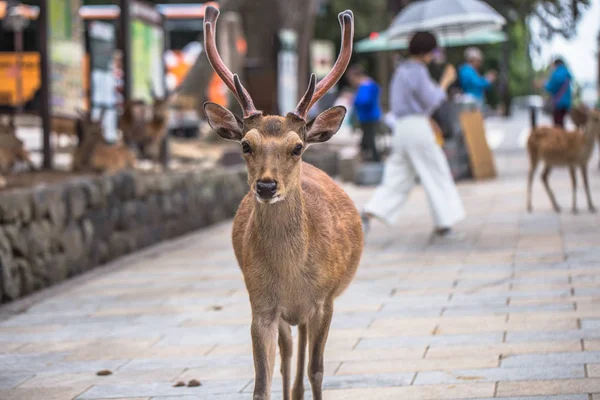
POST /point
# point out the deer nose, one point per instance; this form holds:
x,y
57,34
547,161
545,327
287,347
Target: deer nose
x,y
266,189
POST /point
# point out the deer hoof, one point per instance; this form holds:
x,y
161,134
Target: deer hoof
x,y
593,210
575,211
557,210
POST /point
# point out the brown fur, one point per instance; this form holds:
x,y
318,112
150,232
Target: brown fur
x,y
146,135
93,153
297,255
559,148
297,236
12,149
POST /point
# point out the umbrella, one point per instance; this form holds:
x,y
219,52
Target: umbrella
x,y
445,17
382,42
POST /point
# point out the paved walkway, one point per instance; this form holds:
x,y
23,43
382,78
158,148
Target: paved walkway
x,y
512,311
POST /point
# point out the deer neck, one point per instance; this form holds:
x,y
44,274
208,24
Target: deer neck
x,y
284,220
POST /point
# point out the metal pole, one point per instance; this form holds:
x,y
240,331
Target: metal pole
x,y
45,111
125,32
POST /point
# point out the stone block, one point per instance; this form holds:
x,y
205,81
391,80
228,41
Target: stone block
x,y
16,205
17,239
10,275
56,231
324,158
39,238
93,193
348,163
369,174
72,243
76,201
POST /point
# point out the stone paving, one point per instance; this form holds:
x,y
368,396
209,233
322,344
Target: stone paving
x,y
512,311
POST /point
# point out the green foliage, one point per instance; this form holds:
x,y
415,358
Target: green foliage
x,y
369,16
556,17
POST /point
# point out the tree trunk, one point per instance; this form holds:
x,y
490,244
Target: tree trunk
x,y
261,60
395,6
306,30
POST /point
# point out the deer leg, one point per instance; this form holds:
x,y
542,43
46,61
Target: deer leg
x,y
545,175
264,337
298,390
586,184
318,329
286,345
532,170
574,185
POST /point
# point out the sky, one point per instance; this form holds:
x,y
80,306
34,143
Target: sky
x,y
579,52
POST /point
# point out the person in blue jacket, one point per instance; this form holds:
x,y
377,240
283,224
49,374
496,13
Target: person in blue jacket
x,y
559,87
472,83
366,109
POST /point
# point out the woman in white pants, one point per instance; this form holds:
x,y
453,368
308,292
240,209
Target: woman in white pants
x,y
414,96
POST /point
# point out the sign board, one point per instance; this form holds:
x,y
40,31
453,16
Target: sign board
x,y
287,68
30,77
66,57
102,41
147,51
322,57
480,155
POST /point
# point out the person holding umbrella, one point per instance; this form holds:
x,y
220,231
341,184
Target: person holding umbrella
x,y
414,96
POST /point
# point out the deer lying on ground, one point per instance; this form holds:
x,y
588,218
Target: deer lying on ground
x,y
12,149
64,128
559,148
297,236
146,135
94,153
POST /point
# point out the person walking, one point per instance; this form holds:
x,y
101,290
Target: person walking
x,y
559,87
472,83
367,110
413,97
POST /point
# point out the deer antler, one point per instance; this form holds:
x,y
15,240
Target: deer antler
x,y
313,94
232,81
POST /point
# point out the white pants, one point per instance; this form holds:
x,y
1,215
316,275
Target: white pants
x,y
415,153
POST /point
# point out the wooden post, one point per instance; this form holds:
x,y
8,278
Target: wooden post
x,y
125,34
45,106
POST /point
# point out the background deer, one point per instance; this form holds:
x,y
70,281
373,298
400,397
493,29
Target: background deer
x,y
297,236
145,135
12,149
94,153
559,148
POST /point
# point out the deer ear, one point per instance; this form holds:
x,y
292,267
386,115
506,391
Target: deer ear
x,y
227,125
325,125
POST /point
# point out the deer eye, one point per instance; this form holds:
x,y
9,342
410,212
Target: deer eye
x,y
246,149
297,150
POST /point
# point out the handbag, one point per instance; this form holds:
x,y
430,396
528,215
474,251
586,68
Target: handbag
x,y
552,101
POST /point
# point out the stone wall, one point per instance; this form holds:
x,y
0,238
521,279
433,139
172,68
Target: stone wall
x,y
50,233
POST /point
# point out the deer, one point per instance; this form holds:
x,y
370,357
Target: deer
x,y
297,236
559,148
12,149
94,153
146,135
